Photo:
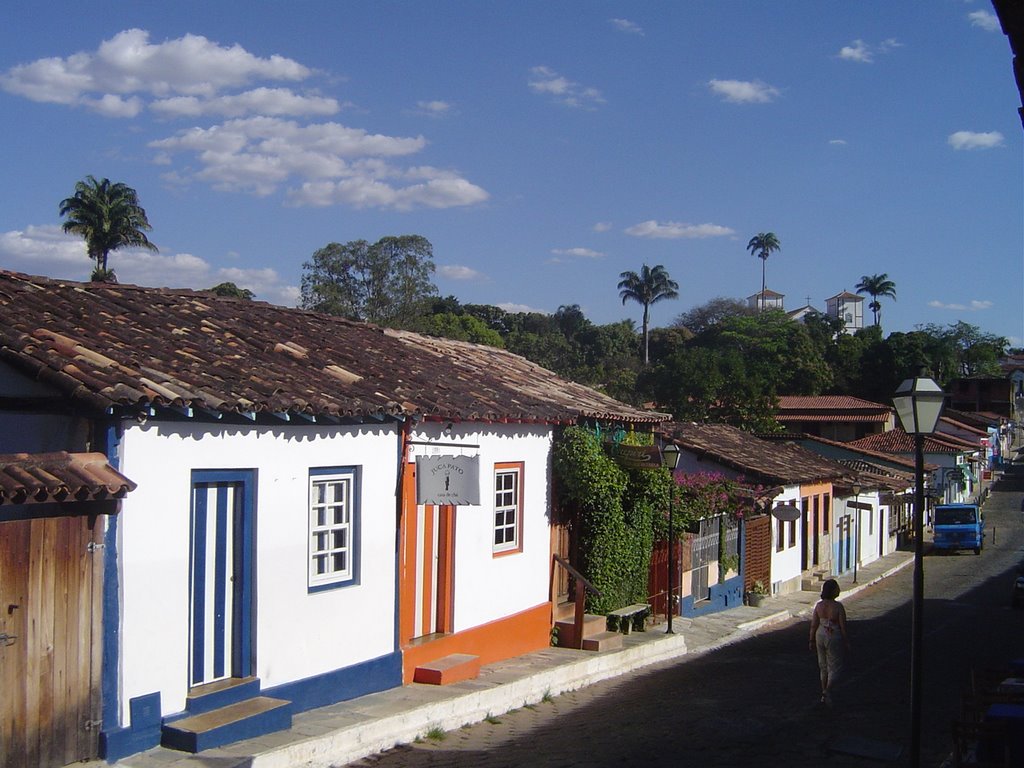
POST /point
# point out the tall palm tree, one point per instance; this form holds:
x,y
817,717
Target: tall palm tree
x,y
646,288
108,216
762,245
877,285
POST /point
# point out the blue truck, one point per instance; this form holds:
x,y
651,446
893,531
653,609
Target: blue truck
x,y
959,526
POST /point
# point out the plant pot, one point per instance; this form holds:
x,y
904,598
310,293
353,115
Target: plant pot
x,y
755,599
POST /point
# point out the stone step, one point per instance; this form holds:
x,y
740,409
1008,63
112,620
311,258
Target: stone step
x,y
592,625
205,698
247,719
603,641
449,669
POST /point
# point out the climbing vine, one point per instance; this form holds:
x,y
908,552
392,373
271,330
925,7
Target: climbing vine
x,y
617,516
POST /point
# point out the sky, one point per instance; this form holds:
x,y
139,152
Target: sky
x,y
542,147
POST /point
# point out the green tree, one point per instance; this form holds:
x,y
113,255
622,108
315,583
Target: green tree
x,y
876,286
974,352
232,291
461,328
107,215
646,288
387,282
700,318
762,245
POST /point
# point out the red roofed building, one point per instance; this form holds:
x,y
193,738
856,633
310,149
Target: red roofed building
x,y
835,417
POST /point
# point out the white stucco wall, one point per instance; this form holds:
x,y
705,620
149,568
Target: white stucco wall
x,y
297,634
488,587
786,564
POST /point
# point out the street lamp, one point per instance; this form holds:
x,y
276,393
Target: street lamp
x,y
670,460
918,404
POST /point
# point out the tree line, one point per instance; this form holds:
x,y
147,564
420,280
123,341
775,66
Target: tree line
x,y
722,361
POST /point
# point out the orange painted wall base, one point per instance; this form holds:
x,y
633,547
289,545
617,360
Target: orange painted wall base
x,y
506,638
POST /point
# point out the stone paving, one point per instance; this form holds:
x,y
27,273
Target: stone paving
x,y
348,731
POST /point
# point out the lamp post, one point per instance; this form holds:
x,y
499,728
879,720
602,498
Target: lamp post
x,y
670,460
918,404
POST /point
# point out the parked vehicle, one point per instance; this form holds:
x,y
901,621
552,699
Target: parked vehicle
x,y
1017,600
959,526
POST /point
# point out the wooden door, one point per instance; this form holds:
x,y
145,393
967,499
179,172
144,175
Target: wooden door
x,y
428,565
50,643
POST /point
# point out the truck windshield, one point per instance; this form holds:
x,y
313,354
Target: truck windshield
x,y
955,516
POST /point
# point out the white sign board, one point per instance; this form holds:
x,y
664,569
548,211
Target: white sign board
x,y
448,480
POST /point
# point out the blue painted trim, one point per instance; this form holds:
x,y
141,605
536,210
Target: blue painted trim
x,y
109,689
380,674
245,576
198,596
143,734
728,594
356,545
220,580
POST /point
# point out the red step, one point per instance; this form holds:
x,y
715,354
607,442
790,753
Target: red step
x,y
448,669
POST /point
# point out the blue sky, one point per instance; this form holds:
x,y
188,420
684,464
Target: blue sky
x,y
543,148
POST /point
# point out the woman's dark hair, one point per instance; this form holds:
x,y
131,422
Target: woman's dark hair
x,y
830,590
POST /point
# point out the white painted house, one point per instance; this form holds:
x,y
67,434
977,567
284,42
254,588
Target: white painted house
x,y
270,547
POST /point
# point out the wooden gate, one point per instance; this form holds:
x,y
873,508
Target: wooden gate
x,y
50,643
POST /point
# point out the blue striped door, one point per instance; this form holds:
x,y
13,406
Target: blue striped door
x,y
219,615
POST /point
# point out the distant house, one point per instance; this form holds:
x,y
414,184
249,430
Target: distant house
x,y
835,417
956,462
767,299
877,502
780,552
847,307
317,509
982,395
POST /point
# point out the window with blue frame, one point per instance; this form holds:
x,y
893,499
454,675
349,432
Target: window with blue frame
x,y
333,527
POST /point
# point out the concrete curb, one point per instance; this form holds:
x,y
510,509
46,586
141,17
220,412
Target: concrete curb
x,y
386,731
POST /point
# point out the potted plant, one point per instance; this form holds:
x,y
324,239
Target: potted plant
x,y
757,593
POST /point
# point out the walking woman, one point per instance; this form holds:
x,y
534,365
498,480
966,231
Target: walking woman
x,y
828,637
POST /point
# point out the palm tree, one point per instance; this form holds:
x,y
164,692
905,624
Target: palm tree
x,y
108,216
646,288
762,245
877,285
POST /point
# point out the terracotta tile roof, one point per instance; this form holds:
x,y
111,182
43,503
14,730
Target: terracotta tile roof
x,y
830,408
868,453
898,441
123,346
963,425
768,461
35,478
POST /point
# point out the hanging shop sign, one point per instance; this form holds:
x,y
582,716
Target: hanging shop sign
x,y
635,456
448,480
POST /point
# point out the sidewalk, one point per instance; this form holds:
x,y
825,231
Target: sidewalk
x,y
348,731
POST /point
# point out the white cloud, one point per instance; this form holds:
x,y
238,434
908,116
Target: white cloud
x,y
47,250
512,307
861,52
673,230
985,20
332,163
259,101
584,253
838,142
433,108
744,91
602,226
975,305
975,140
856,51
625,25
459,272
546,81
128,63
